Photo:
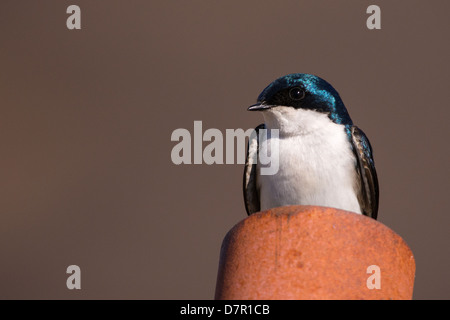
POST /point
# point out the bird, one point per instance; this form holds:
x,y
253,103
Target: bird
x,y
323,158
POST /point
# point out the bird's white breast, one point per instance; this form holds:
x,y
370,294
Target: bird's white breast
x,y
316,163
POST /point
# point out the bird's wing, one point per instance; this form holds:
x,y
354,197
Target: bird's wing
x,y
251,194
368,193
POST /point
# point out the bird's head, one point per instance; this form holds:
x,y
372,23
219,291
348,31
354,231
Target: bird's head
x,y
290,98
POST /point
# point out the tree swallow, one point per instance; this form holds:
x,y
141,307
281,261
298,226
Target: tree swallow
x,y
324,159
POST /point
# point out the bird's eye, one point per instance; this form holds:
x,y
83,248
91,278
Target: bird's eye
x,y
296,93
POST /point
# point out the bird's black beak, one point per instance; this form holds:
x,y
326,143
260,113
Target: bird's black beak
x,y
259,106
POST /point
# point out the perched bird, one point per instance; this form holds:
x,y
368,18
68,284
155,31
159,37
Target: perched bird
x,y
323,158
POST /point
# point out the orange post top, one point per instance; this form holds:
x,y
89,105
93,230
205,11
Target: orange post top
x,y
311,252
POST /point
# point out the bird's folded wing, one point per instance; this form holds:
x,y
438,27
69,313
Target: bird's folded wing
x,y
368,194
251,193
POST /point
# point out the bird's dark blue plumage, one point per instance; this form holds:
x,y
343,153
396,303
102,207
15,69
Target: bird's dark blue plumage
x,y
319,94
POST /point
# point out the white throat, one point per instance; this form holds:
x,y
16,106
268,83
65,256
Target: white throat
x,y
316,163
291,121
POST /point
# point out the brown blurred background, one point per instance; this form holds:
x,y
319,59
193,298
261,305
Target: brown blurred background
x,y
87,115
